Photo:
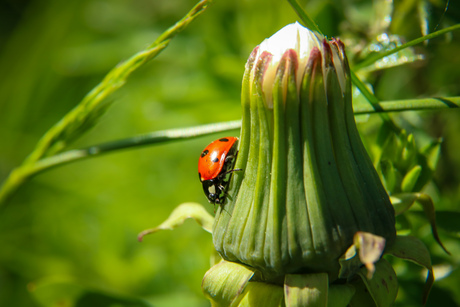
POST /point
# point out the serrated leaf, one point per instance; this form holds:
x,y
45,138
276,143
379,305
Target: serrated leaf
x,y
306,290
224,283
179,215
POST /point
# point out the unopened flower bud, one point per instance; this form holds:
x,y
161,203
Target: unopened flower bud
x,y
307,185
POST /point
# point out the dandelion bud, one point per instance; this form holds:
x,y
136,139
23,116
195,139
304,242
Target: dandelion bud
x,y
307,184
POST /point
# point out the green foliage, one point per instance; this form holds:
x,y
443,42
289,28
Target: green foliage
x,y
68,236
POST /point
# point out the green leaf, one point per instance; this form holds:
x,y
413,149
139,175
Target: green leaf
x,y
349,263
385,43
306,290
224,283
409,151
381,289
412,249
419,40
432,152
179,215
362,296
449,222
402,167
389,175
404,201
428,207
410,179
340,295
427,158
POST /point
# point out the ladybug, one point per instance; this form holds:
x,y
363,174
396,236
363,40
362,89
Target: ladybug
x,y
215,167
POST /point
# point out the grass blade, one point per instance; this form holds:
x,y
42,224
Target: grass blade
x,y
93,105
308,21
86,114
374,102
435,103
153,138
414,42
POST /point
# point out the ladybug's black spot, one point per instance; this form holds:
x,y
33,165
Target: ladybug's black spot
x,y
223,140
215,160
204,153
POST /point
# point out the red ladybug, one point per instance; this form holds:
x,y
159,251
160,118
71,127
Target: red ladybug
x,y
215,167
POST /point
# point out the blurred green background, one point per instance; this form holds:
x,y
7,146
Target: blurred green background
x,y
68,237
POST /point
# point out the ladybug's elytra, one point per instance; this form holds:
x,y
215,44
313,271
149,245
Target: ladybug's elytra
x,y
215,167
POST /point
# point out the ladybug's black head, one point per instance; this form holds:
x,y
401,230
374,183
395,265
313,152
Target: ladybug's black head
x,y
211,190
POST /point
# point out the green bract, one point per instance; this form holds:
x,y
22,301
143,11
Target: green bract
x,y
307,185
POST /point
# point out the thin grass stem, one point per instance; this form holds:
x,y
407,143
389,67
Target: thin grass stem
x,y
372,59
436,103
307,20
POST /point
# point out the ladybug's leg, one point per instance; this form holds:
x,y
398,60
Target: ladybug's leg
x,y
222,175
229,158
223,191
